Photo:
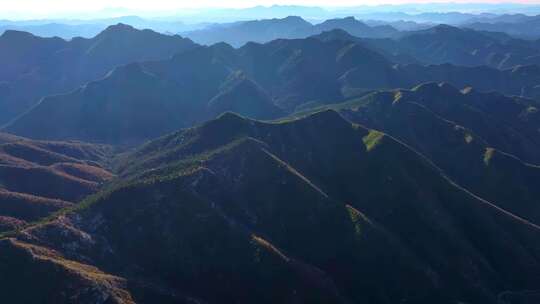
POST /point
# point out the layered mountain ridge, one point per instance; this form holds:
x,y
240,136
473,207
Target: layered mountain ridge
x,y
320,212
34,67
448,44
293,27
481,140
278,78
336,168
39,178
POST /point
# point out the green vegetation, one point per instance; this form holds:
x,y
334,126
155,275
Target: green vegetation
x,y
357,219
488,155
397,97
372,140
268,199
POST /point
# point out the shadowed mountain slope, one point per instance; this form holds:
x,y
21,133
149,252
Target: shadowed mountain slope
x,y
38,178
261,31
474,137
356,28
277,77
240,94
189,88
520,25
135,102
305,214
34,67
447,44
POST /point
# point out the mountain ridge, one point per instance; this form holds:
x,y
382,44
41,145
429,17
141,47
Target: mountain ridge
x,y
37,66
38,178
248,186
283,76
292,27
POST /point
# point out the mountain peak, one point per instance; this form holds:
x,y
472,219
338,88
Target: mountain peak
x,y
445,28
14,34
230,117
335,34
119,28
226,124
347,21
294,18
226,121
289,21
295,21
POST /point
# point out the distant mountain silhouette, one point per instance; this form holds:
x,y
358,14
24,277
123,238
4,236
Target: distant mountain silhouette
x,y
239,33
55,29
261,31
447,44
142,101
356,28
34,67
520,26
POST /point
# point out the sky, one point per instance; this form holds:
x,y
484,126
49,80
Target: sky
x,y
44,8
65,5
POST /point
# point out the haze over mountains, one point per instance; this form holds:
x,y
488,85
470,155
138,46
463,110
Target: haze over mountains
x,y
514,19
34,67
290,27
278,77
330,159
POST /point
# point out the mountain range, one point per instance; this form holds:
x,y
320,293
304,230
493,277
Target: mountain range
x,y
330,162
481,140
434,44
520,25
88,28
447,44
34,67
305,214
37,67
38,178
517,26
276,78
513,19
261,31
